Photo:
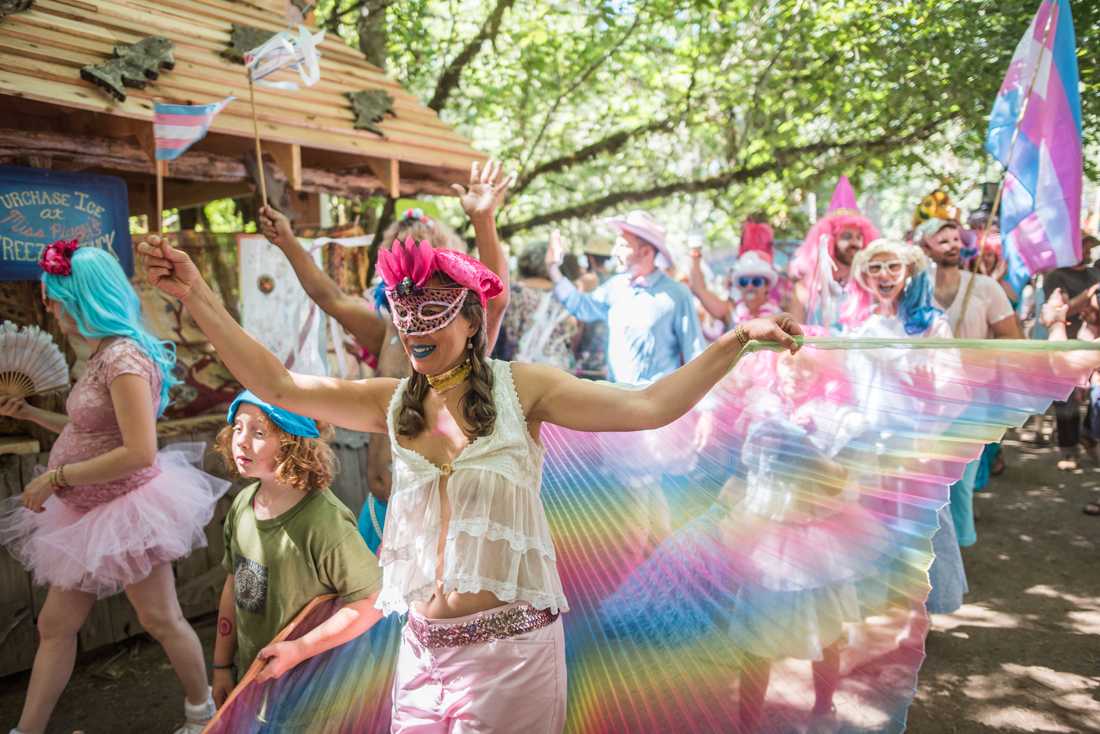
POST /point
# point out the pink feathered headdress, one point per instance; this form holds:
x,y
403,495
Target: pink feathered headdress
x,y
406,267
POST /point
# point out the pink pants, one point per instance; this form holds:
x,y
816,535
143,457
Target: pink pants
x,y
515,684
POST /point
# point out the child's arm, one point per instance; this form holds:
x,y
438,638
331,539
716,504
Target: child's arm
x,y
347,624
225,644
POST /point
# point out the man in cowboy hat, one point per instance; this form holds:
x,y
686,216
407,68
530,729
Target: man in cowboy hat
x,y
651,318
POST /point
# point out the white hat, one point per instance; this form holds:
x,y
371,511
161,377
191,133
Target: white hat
x,y
643,225
753,263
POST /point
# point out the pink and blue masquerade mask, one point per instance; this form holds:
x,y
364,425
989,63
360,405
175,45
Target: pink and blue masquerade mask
x,y
416,309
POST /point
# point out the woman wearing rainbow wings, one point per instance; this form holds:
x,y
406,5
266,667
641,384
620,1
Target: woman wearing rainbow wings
x,y
781,586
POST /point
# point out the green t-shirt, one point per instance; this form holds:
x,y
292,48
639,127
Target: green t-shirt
x,y
279,565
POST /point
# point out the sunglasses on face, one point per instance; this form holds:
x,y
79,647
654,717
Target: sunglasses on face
x,y
755,282
893,267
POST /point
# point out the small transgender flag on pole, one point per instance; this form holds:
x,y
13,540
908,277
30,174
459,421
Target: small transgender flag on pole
x,y
179,126
1035,133
176,127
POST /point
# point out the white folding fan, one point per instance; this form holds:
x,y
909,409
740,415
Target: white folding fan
x,y
30,362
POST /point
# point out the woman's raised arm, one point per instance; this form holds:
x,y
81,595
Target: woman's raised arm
x,y
358,405
549,395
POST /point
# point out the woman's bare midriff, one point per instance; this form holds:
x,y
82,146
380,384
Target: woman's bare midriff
x,y
451,604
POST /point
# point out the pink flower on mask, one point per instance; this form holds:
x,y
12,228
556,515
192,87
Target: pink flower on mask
x,y
407,266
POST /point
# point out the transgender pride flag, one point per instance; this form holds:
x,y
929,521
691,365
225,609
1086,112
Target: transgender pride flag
x,y
179,126
1041,203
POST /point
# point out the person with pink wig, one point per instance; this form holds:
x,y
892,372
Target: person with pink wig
x,y
822,264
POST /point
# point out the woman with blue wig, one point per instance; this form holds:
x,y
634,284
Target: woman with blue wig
x,y
111,513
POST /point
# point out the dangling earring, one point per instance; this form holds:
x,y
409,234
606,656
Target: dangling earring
x,y
469,345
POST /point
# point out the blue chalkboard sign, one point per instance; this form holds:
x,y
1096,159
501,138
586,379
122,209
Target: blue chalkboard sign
x,y
38,207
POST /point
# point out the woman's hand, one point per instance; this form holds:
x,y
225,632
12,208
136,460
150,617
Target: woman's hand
x,y
279,658
223,685
276,227
38,491
486,190
169,270
1055,310
555,252
781,328
14,406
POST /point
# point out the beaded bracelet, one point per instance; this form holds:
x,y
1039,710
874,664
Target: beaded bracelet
x,y
59,479
228,666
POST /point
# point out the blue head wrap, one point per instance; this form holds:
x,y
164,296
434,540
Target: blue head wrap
x,y
292,423
915,308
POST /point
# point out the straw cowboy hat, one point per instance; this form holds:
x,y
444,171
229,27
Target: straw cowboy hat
x,y
642,225
753,263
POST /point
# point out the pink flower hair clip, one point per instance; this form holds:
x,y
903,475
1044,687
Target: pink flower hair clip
x,y
57,258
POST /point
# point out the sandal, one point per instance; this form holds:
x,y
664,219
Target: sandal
x,y
1091,508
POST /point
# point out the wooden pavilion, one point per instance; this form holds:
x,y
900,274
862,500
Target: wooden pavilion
x,y
355,133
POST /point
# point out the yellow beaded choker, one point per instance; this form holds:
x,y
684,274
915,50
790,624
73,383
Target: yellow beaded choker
x,y
450,379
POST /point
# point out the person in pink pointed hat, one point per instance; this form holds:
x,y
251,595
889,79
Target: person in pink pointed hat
x,y
842,232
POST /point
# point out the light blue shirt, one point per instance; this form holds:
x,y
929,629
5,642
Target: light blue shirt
x,y
652,323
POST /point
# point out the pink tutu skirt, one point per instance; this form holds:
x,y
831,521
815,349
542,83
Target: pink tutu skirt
x,y
121,541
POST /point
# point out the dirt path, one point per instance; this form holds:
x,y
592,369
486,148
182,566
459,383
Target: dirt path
x,y
1022,656
1024,653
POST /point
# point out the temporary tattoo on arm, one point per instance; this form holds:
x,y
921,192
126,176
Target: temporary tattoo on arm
x,y
225,627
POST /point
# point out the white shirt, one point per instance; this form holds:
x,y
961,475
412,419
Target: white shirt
x,y
988,304
498,538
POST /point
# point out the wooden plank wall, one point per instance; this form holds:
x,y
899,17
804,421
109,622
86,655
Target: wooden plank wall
x,y
199,577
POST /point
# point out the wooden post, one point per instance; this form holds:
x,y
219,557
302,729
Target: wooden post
x,y
256,134
161,167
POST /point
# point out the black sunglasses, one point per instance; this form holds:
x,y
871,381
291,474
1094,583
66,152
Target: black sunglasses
x,y
755,281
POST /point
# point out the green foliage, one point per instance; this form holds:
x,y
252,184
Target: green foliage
x,y
716,109
225,216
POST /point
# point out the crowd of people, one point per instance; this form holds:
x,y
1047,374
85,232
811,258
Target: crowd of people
x,y
471,361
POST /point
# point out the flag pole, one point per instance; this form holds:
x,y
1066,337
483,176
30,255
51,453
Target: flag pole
x,y
1019,121
256,134
160,166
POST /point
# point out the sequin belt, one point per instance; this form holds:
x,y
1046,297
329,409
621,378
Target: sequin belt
x,y
509,622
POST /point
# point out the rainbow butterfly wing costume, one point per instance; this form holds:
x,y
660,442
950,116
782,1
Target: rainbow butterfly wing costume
x,y
783,526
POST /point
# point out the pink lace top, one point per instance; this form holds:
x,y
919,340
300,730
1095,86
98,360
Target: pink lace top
x,y
93,428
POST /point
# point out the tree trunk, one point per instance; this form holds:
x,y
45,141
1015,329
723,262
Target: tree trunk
x,y
371,25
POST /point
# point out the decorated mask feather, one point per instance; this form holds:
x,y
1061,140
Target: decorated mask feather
x,y
407,266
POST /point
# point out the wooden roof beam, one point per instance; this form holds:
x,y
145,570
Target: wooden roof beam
x,y
389,173
289,158
120,155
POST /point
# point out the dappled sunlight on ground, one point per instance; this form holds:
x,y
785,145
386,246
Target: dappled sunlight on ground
x,y
1023,654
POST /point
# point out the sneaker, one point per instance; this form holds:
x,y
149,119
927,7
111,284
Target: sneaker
x,y
197,716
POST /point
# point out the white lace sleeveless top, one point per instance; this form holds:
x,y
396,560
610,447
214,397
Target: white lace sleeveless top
x,y
498,539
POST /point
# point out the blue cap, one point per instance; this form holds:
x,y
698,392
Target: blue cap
x,y
292,423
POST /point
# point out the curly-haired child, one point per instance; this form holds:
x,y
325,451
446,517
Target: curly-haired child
x,y
288,539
